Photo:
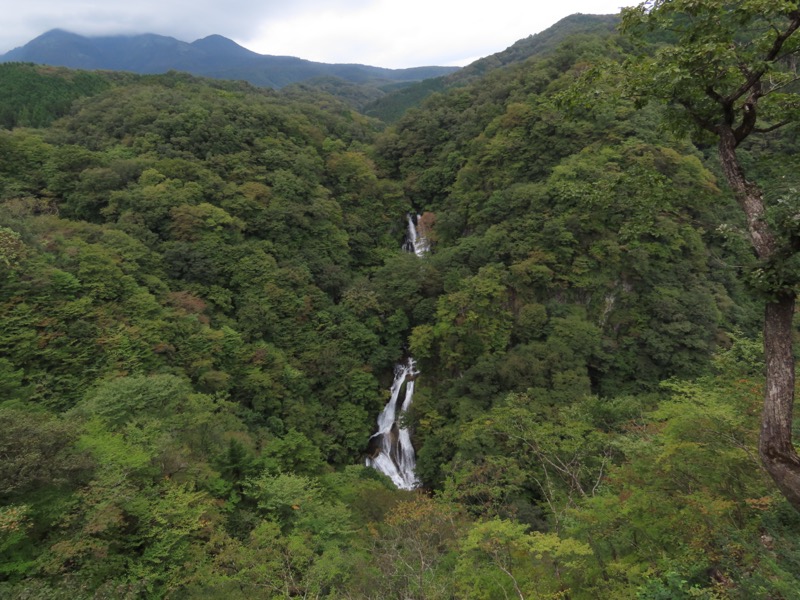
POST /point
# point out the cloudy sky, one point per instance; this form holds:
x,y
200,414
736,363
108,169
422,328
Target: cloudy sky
x,y
387,33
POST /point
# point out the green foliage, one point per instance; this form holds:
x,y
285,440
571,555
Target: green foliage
x,y
38,451
500,558
689,496
11,248
470,322
119,401
708,51
203,292
34,96
414,551
293,453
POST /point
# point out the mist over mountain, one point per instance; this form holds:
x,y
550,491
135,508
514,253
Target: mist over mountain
x,y
212,56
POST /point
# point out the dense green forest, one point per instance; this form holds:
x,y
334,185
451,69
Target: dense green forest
x,y
204,292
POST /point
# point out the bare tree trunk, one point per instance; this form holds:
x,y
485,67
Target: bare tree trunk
x,y
775,444
776,449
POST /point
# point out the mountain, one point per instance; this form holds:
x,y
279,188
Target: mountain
x,y
568,28
213,56
205,304
391,106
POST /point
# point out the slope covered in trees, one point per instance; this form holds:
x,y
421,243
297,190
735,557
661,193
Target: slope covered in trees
x,y
203,293
32,96
391,107
213,56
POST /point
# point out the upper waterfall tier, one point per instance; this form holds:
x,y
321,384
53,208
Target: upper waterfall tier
x,y
416,241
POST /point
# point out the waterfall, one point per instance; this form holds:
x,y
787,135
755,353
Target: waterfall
x,y
416,241
391,451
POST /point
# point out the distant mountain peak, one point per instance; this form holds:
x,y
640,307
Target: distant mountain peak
x,y
222,46
212,56
215,38
57,32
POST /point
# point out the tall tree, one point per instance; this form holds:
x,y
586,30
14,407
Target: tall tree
x,y
728,69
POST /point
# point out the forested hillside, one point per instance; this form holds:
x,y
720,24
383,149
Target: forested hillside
x,y
391,107
212,56
204,292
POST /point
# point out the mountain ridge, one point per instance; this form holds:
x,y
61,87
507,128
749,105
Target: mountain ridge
x,y
213,56
392,105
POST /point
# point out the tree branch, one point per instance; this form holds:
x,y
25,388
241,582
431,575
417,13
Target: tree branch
x,y
749,115
771,56
700,121
771,127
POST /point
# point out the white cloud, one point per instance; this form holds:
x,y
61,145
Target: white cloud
x,y
378,32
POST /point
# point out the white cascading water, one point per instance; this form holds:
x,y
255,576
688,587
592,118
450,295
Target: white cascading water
x,y
393,454
391,450
415,241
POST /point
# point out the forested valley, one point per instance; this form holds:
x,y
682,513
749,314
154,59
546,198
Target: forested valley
x,y
204,291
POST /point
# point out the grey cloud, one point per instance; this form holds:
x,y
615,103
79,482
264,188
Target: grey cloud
x,y
185,20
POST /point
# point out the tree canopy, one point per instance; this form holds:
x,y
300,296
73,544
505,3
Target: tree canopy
x,y
731,71
203,293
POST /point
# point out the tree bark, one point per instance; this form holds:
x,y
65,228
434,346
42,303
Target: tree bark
x,y
747,193
776,449
775,444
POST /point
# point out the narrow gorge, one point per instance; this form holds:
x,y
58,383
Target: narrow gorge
x,y
390,449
